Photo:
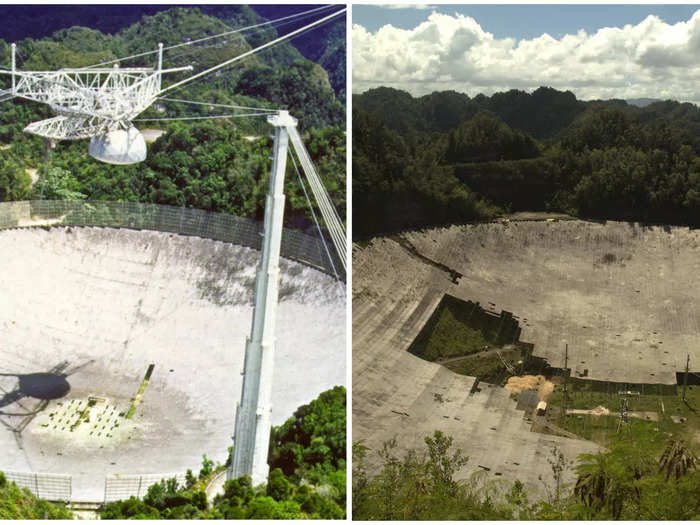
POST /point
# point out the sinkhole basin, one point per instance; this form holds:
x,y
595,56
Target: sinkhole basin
x,y
624,297
85,311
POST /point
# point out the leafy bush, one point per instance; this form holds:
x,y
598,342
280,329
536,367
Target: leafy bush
x,y
642,475
19,504
314,443
313,440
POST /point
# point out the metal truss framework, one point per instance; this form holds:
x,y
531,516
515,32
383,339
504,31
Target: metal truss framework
x,y
88,101
63,127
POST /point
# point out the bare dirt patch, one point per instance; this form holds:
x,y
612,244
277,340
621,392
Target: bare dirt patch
x,y
597,411
517,384
541,384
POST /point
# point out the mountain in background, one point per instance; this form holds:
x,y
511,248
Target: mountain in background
x,y
216,164
545,113
448,158
642,102
324,45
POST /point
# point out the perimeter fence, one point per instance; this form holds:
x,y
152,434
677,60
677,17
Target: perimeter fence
x,y
58,487
296,245
53,487
123,487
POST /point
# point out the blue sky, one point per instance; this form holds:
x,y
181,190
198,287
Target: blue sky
x,y
597,51
525,21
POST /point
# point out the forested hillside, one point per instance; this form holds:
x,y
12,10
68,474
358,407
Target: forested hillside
x,y
217,165
446,157
326,48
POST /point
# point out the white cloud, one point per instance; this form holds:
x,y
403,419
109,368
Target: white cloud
x,y
420,7
650,59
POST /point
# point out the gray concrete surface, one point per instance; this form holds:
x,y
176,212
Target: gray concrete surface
x,y
109,302
634,319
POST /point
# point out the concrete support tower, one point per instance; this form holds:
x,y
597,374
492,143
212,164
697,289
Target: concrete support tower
x,y
252,435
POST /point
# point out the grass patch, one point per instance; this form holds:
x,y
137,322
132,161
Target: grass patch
x,y
487,368
136,401
452,338
459,328
602,428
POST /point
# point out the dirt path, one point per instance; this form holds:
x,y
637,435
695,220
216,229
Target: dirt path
x,y
597,411
540,423
603,411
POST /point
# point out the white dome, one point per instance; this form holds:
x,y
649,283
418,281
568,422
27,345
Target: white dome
x,y
119,146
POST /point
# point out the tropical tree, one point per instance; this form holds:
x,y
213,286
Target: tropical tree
x,y
593,479
442,464
677,459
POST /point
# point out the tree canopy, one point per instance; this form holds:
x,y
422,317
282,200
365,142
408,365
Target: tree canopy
x,y
447,158
641,476
20,504
216,165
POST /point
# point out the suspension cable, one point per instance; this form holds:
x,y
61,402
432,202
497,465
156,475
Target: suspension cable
x,y
199,49
252,51
202,117
215,105
313,214
191,42
250,56
330,215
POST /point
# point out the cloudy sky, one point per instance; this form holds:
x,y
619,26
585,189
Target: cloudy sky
x,y
596,51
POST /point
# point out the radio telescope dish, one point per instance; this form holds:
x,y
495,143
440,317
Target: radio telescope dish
x,y
120,146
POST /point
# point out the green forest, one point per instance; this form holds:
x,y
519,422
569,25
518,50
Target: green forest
x,y
216,165
448,158
307,479
642,475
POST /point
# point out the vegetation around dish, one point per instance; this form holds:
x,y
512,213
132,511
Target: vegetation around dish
x,y
452,337
306,481
643,475
488,367
667,414
216,165
469,340
448,158
20,504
